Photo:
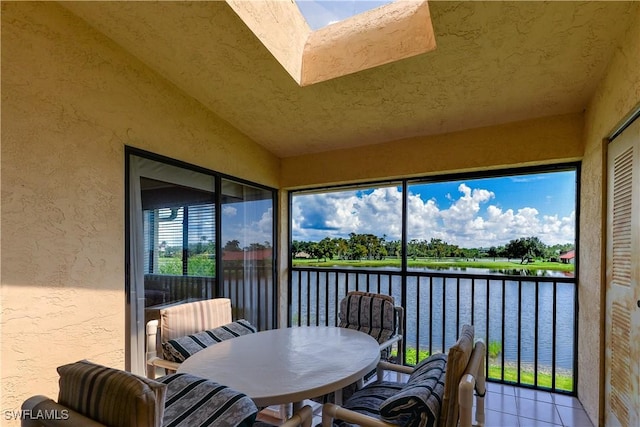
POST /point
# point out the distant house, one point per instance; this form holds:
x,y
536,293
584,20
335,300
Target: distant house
x,y
257,255
568,257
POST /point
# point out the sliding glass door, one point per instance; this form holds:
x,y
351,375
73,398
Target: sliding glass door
x,y
176,215
247,251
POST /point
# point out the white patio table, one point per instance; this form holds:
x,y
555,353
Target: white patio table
x,y
288,365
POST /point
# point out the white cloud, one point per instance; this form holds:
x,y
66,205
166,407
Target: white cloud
x,y
229,211
258,231
469,220
337,214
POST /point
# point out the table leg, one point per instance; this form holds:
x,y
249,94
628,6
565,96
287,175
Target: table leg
x,y
338,397
296,407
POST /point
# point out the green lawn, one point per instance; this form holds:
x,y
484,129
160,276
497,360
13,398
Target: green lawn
x,y
199,265
563,382
434,263
412,355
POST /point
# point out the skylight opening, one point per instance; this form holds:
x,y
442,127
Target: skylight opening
x,y
352,36
321,13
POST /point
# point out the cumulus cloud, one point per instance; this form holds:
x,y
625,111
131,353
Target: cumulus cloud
x,y
229,210
379,212
471,218
256,231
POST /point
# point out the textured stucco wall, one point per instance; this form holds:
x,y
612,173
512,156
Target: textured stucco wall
x,y
71,101
615,97
545,140
281,28
378,36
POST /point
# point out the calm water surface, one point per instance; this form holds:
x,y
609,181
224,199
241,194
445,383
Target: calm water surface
x,y
434,306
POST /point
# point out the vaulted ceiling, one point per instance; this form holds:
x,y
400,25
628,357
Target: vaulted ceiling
x,y
495,62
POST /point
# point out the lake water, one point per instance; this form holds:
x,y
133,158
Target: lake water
x,y
433,306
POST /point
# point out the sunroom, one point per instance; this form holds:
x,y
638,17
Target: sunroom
x,y
236,92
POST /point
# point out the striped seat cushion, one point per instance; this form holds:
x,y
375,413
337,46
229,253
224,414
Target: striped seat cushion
x,y
367,401
370,313
418,403
192,401
110,396
179,349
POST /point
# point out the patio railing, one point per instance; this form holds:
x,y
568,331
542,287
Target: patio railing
x,y
250,289
528,322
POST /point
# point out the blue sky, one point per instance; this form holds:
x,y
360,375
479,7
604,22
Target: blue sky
x,y
469,213
321,13
247,222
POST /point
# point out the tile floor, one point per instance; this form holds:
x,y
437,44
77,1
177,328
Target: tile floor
x,y
509,406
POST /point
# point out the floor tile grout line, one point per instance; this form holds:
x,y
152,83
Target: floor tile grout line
x,y
502,392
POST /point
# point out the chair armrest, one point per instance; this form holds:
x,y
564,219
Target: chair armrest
x,y
465,399
388,343
473,381
40,411
399,312
152,338
303,417
162,363
386,366
331,411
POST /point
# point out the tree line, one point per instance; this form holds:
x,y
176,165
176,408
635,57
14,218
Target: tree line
x,y
371,247
207,246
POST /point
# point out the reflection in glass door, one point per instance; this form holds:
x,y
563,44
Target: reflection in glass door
x,y
186,228
172,244
179,243
247,252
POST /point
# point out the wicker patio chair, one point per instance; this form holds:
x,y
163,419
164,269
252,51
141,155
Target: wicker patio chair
x,y
92,395
439,392
167,342
378,316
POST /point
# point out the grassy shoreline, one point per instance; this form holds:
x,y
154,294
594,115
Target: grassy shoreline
x,y
564,379
437,264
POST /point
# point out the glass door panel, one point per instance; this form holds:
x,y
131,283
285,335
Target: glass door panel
x,y
247,238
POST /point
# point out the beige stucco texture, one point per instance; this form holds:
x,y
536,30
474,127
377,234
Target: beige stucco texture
x,y
546,140
83,80
386,34
71,101
495,62
280,27
616,96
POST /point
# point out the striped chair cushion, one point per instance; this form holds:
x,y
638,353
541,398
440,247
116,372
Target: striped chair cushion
x,y
177,350
190,318
418,403
370,313
110,396
367,401
193,401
